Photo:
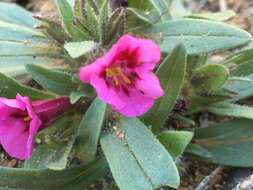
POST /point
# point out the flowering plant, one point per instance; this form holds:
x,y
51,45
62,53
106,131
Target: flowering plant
x,y
120,90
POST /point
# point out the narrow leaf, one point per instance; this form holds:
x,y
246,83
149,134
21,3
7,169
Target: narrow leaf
x,y
10,87
198,151
13,13
68,179
66,14
218,16
171,74
175,141
58,82
229,143
232,110
89,131
53,156
162,7
76,96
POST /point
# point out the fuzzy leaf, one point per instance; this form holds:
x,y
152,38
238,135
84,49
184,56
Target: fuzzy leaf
x,y
136,17
171,74
210,78
15,32
78,178
13,13
141,4
175,141
52,156
232,110
76,96
229,143
198,36
10,87
58,82
89,131
218,16
66,14
30,45
162,7
243,90
143,170
243,60
198,151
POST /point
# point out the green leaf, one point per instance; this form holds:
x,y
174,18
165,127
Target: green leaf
x,y
76,96
93,20
15,65
78,178
243,90
198,36
218,16
114,27
171,74
27,49
141,4
14,32
66,14
30,46
10,87
77,49
242,61
229,143
58,82
25,53
136,18
232,110
210,78
52,156
89,131
198,151
78,8
15,14
241,79
175,141
178,9
104,13
127,151
162,7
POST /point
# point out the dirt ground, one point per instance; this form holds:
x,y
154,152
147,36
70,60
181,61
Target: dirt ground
x,y
195,175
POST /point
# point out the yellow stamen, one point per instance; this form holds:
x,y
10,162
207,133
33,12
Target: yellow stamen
x,y
117,74
27,118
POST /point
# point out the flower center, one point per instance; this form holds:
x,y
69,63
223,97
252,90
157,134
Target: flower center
x,y
117,75
27,118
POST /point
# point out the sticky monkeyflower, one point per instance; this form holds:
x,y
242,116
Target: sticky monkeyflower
x,y
21,119
123,77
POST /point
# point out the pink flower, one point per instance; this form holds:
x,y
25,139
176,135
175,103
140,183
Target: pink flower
x,y
123,77
21,119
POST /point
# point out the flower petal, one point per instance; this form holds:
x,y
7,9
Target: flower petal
x,y
48,110
98,66
14,136
148,51
136,103
149,85
127,43
13,103
105,93
88,71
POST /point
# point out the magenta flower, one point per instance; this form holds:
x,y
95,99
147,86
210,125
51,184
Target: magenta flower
x,y
123,77
21,119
